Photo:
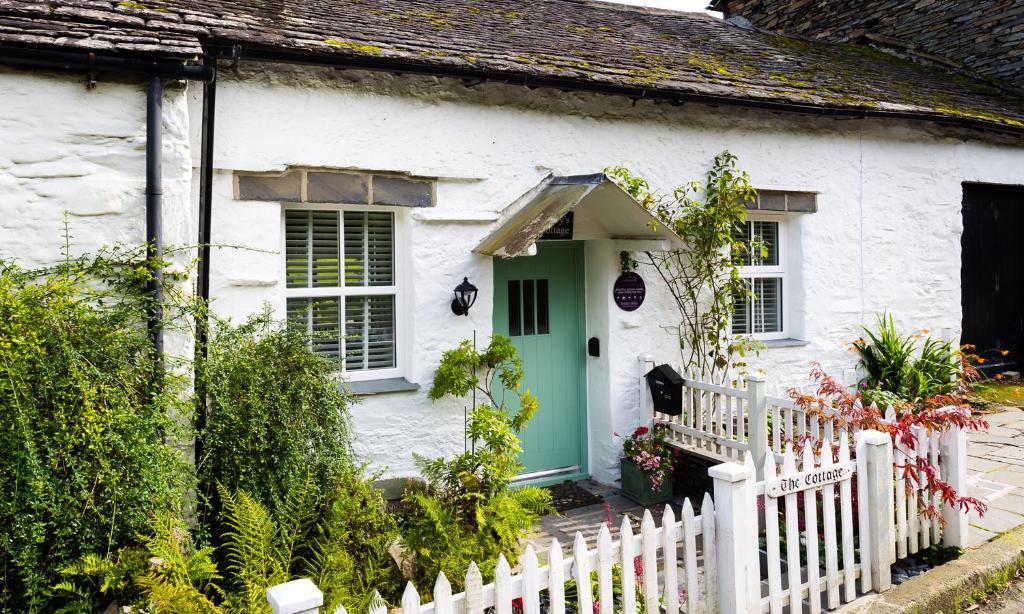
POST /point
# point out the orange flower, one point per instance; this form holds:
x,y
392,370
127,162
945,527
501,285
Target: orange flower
x,y
981,360
925,331
1004,352
999,376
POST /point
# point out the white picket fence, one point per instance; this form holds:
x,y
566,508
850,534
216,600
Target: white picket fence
x,y
712,562
836,575
671,574
731,422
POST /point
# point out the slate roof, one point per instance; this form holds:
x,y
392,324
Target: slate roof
x,y
568,43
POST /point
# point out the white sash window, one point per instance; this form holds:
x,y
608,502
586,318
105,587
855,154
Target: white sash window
x,y
341,284
762,315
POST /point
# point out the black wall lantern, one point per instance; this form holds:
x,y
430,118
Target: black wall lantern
x,y
465,296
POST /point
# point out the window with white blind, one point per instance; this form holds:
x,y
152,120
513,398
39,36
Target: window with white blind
x,y
760,313
342,288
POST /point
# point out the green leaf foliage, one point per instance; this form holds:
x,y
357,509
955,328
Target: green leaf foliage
x,y
86,421
466,510
276,415
703,276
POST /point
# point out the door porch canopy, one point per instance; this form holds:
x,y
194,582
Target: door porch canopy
x,y
601,210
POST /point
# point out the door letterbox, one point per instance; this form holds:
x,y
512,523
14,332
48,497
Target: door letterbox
x,y
666,389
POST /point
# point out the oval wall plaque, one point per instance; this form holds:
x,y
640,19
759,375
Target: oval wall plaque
x,y
629,291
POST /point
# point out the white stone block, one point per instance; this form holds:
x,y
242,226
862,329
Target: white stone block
x,y
296,597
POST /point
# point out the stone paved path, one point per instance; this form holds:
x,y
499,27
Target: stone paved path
x,y
588,519
995,471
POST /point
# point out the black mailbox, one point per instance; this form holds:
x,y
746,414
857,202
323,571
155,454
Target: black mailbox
x,y
666,389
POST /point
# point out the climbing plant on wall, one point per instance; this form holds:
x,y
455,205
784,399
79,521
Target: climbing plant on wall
x,y
703,276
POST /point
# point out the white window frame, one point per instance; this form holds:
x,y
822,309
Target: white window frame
x,y
777,271
399,289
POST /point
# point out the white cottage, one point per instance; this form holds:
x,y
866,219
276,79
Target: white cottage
x,y
428,144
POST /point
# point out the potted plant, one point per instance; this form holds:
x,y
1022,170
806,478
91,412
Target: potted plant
x,y
645,466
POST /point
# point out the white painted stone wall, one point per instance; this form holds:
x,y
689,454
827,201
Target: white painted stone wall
x,y
886,235
68,149
69,152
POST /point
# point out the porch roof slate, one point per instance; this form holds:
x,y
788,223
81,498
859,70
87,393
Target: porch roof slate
x,y
575,44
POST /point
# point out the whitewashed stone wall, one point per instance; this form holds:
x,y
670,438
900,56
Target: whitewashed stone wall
x,y
886,235
77,154
68,149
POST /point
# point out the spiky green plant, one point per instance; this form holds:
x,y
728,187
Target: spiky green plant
x,y
897,366
886,356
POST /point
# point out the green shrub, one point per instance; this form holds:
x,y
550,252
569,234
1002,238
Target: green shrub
x,y
275,415
897,368
85,415
466,511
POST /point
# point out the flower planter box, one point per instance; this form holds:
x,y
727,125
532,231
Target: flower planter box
x,y
636,485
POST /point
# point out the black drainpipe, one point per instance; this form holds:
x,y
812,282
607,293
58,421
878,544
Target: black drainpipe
x,y
156,71
154,213
204,238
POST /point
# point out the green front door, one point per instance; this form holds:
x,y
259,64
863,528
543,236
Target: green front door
x,y
538,303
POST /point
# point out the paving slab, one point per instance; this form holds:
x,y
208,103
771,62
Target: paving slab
x,y
1008,475
1006,416
977,536
997,520
982,464
1013,502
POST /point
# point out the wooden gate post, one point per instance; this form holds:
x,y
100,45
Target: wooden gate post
x,y
735,508
953,466
876,445
757,422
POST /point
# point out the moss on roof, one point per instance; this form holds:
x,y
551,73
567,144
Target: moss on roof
x,y
578,43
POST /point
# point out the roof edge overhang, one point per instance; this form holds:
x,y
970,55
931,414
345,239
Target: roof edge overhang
x,y
236,53
81,60
601,210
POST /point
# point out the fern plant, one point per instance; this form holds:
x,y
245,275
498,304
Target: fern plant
x,y
350,547
182,578
94,581
255,553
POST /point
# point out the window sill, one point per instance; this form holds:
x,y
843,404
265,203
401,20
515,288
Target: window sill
x,y
382,386
784,343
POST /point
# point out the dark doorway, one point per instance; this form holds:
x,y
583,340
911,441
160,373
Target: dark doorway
x,y
992,273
